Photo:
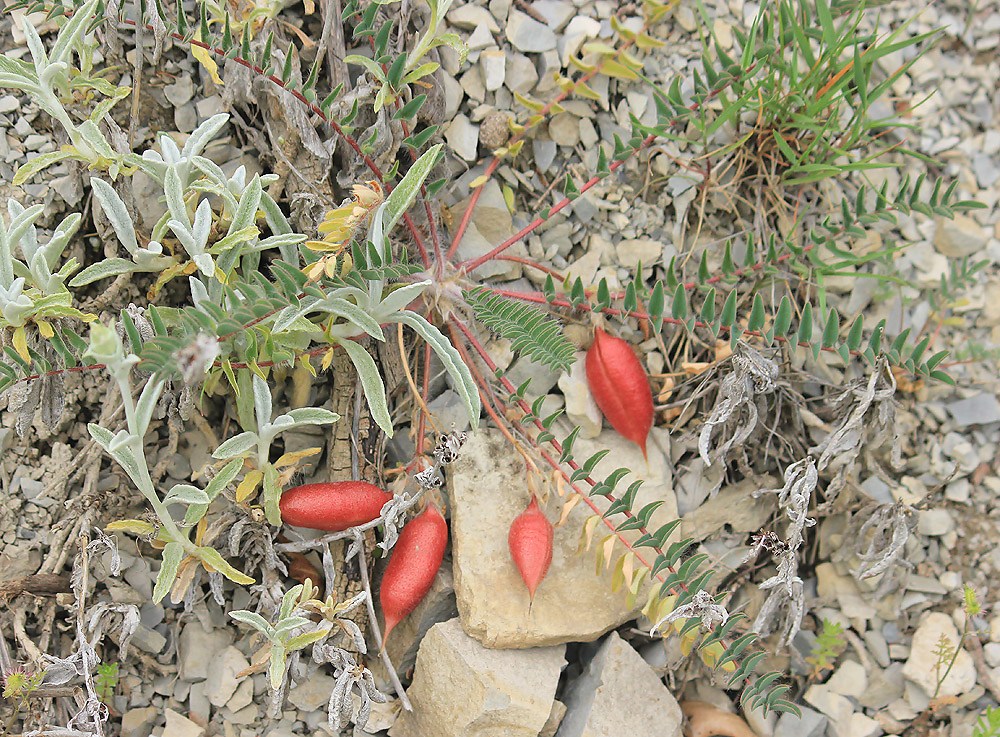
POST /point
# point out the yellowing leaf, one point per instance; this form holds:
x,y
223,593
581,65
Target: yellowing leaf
x,y
607,550
133,526
710,656
588,529
291,459
307,365
633,588
687,642
508,198
623,571
529,103
20,341
571,502
478,181
45,329
205,56
598,47
645,41
327,359
184,269
248,486
619,71
584,91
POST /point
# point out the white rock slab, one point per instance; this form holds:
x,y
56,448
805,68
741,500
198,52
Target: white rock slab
x,y
922,665
488,490
222,680
462,689
527,34
619,694
198,647
581,409
179,725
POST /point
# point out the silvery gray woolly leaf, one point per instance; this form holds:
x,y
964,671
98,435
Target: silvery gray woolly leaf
x,y
52,400
23,401
340,705
117,213
130,625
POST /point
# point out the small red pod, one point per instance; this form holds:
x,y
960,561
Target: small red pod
x,y
332,507
530,542
415,561
620,387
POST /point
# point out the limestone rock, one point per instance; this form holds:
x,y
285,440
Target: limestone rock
x,y
463,137
619,694
572,604
197,648
135,722
838,708
179,725
313,693
462,689
222,680
922,665
581,409
521,74
494,67
962,236
527,34
468,17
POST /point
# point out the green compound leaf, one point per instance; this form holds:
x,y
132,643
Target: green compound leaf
x,y
529,330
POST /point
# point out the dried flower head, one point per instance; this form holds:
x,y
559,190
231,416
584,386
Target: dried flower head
x,y
339,226
700,606
195,359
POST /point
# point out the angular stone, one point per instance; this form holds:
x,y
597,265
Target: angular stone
x,y
179,725
198,647
521,74
243,696
935,522
463,137
602,700
136,722
493,62
922,665
850,679
572,604
468,17
545,152
527,34
557,13
480,38
462,689
633,250
222,680
981,409
810,724
313,693
577,33
564,129
838,708
581,409
962,236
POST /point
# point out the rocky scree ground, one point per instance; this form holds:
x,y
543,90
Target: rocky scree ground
x,y
577,662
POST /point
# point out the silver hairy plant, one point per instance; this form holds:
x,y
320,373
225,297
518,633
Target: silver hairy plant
x,y
736,407
785,604
868,420
886,531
